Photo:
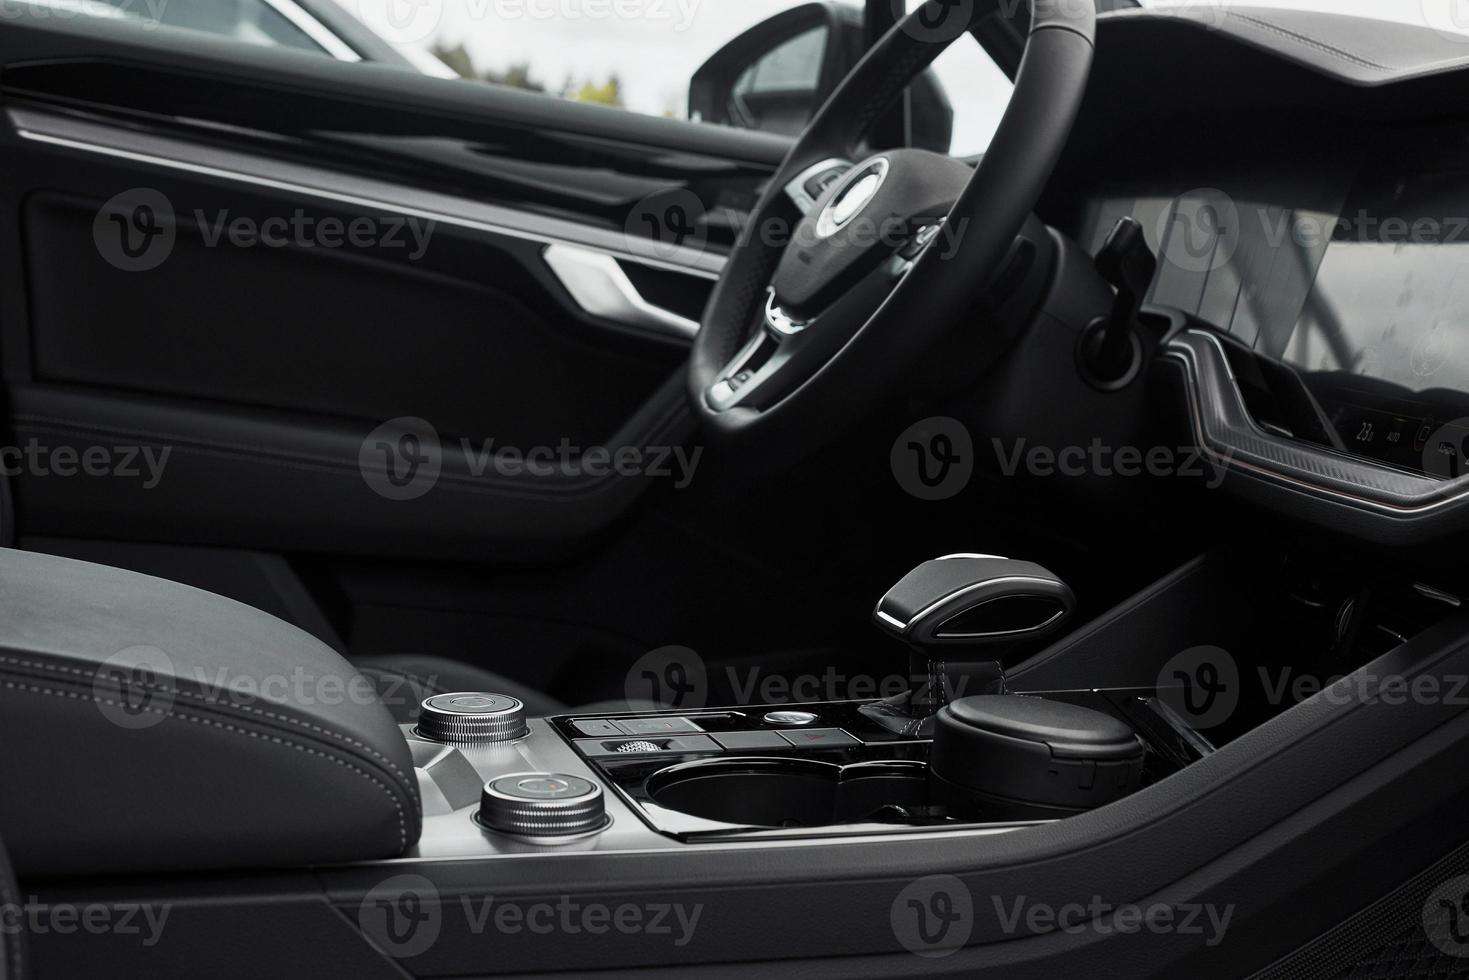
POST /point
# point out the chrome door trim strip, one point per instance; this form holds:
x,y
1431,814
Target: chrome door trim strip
x,y
598,284
314,29
259,171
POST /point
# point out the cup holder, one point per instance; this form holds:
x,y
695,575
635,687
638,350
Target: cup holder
x,y
793,792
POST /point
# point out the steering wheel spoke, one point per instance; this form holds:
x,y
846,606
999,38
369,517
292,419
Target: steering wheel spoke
x,y
853,270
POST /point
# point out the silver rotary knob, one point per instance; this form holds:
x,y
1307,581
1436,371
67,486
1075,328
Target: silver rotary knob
x,y
472,717
542,804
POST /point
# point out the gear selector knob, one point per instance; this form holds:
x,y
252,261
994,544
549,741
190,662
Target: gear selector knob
x,y
968,600
973,602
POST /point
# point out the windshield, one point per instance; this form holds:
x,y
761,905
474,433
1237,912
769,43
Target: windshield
x,y
1441,15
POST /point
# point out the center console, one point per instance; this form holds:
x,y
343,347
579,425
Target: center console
x,y
995,764
926,762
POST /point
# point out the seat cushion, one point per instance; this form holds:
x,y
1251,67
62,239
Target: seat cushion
x,y
405,680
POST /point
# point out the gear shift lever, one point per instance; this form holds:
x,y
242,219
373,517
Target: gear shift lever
x,y
958,604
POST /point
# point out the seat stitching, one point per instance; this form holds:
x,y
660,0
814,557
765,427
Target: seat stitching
x,y
58,668
1311,42
238,730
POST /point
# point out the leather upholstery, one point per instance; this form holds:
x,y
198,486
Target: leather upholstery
x,y
153,727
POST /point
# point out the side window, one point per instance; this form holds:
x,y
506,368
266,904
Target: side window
x,y
978,92
755,64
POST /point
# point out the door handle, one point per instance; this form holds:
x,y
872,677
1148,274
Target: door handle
x,y
598,284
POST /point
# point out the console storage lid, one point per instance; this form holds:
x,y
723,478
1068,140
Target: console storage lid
x,y
153,727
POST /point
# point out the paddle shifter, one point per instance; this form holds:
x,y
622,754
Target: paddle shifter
x,y
958,609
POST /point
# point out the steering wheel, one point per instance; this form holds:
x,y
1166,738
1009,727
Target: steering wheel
x,y
844,276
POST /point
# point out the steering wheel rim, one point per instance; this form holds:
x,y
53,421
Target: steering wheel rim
x,y
804,386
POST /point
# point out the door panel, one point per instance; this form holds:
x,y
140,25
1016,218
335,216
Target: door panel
x,y
264,370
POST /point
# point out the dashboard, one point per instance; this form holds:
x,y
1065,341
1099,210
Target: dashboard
x,y
1357,284
1304,180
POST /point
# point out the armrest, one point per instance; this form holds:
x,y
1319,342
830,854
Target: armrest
x,y
149,726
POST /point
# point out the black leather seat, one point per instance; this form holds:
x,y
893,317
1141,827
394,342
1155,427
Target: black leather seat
x,y
403,681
